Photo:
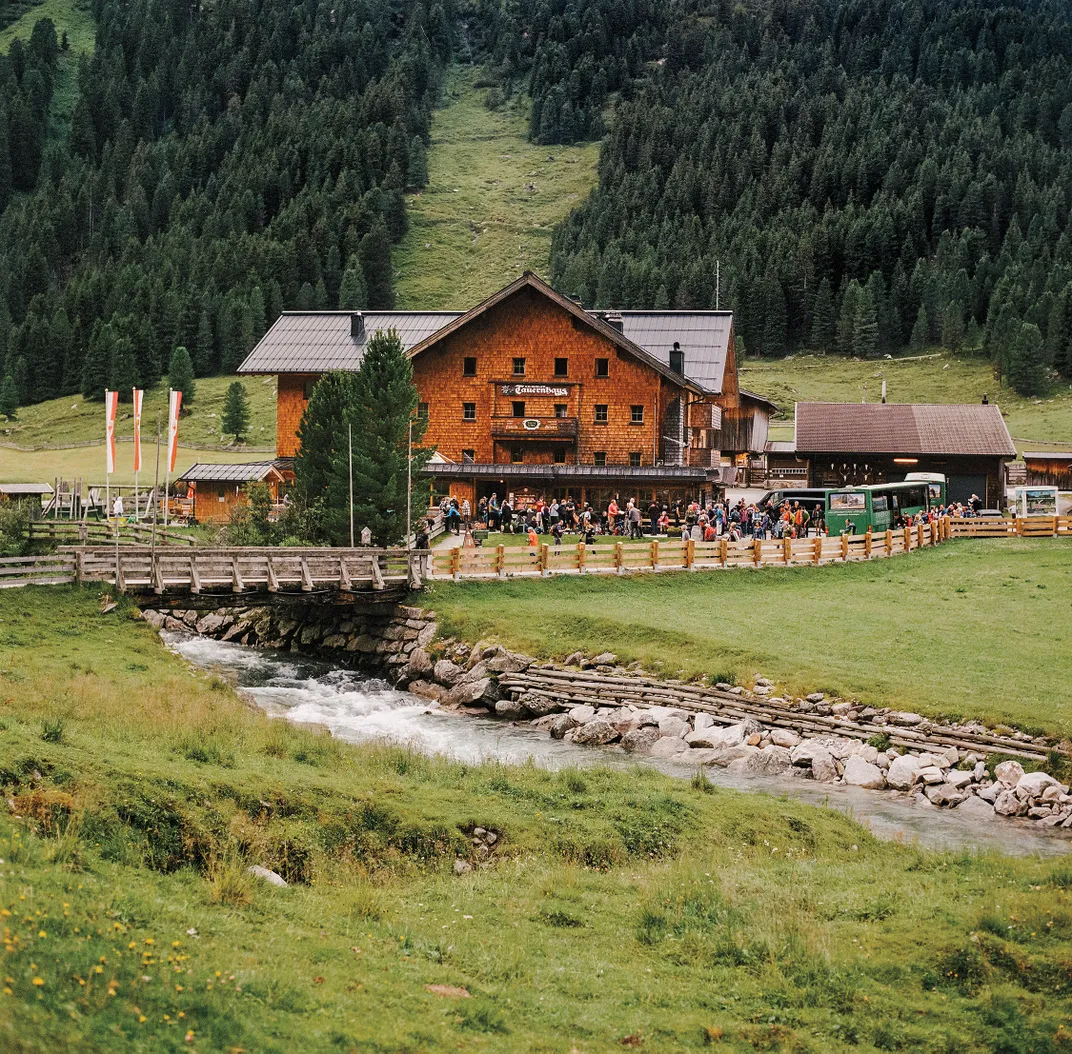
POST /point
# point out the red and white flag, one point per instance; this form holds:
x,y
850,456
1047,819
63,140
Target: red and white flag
x,y
138,393
175,403
111,401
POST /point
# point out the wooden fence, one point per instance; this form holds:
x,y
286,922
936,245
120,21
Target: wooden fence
x,y
80,532
614,556
52,570
241,570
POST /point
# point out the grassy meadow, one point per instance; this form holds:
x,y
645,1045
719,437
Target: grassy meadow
x,y
619,909
491,203
977,628
937,377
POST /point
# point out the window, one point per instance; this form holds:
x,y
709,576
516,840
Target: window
x,y
602,367
560,457
561,409
469,455
469,366
468,411
307,387
600,458
519,367
634,459
517,455
519,408
221,493
561,367
636,414
601,413
422,410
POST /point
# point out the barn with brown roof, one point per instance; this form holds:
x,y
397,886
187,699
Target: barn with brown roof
x,y
848,444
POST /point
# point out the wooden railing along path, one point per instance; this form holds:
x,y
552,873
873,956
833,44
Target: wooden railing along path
x,y
80,532
614,556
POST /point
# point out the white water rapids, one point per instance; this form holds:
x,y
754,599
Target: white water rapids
x,y
359,708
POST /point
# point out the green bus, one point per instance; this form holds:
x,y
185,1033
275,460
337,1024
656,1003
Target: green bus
x,y
882,506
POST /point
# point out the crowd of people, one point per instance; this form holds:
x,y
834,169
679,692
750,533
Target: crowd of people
x,y
686,520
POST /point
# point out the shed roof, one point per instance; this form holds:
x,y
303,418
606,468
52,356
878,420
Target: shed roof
x,y
1048,455
15,489
902,428
250,472
316,341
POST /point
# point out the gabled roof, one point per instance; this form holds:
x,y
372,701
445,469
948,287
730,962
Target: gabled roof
x,y
250,472
317,341
902,428
16,489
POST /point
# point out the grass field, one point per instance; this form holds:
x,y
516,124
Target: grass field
x,y
976,628
491,204
74,17
939,377
77,420
621,910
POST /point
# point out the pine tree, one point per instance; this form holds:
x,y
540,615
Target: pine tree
x,y
321,435
181,375
1026,370
921,330
385,403
353,296
375,253
124,373
823,319
846,327
775,324
235,411
9,398
97,367
953,327
865,327
417,168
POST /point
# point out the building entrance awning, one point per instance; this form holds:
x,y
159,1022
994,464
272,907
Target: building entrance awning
x,y
578,474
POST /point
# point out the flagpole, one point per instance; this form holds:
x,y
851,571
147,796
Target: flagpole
x,y
409,487
351,486
156,484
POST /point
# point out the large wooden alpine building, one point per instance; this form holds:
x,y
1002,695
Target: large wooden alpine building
x,y
530,394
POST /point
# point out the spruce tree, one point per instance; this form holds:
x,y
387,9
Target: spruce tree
x,y
823,319
375,253
353,295
865,327
124,372
9,398
97,367
235,411
775,325
921,330
1026,371
953,327
417,168
321,435
846,327
181,375
385,403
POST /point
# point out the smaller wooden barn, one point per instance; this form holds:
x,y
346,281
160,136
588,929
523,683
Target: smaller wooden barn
x,y
1049,469
210,492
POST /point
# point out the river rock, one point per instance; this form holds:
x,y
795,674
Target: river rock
x,y
860,773
563,724
805,752
539,704
447,673
209,624
991,792
769,761
1034,783
581,714
701,721
508,662
959,778
815,697
427,690
784,737
945,794
646,719
932,775
1009,773
975,808
604,658
266,875
1007,804
418,664
904,718
544,723
474,693
595,733
701,756
674,726
511,709
641,740
668,747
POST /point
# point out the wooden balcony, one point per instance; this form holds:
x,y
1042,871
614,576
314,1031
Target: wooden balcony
x,y
542,428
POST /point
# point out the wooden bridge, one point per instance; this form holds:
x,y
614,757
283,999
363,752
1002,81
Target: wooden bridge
x,y
138,569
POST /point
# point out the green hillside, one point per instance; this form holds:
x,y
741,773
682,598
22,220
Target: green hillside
x,y
937,377
492,201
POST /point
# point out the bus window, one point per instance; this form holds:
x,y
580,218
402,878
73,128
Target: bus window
x,y
880,503
848,501
934,493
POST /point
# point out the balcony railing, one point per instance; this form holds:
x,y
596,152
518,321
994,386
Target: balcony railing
x,y
534,427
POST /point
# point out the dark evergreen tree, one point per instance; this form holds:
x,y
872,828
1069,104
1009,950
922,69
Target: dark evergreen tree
x,y
375,254
180,375
322,434
124,371
921,330
9,398
235,411
823,318
1026,370
97,368
353,295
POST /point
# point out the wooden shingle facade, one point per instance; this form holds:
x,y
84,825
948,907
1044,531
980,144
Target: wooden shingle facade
x,y
528,393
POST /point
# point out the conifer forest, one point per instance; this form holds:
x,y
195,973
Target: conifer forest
x,y
863,176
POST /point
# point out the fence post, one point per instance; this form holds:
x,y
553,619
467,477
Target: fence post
x,y
580,557
757,552
787,550
618,557
845,548
690,554
908,539
723,550
545,551
889,542
867,543
919,535
455,562
818,548
79,566
655,555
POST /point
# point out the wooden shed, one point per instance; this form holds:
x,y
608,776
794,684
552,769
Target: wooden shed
x,y
1049,469
213,490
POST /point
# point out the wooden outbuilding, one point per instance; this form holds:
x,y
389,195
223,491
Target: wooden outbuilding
x,y
851,444
528,393
209,493
1049,469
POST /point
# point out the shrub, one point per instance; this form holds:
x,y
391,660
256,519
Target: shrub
x,y
52,729
229,882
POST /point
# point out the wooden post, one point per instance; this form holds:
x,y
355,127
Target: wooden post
x,y
757,552
723,550
818,548
377,574
273,579
413,560
306,577
867,543
79,566
889,542
456,561
908,539
580,557
237,584
655,555
919,534
545,558
618,557
195,578
787,549
344,575
845,548
690,554
500,561
158,576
